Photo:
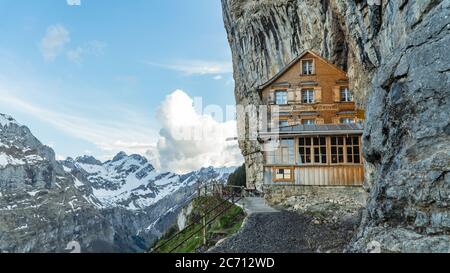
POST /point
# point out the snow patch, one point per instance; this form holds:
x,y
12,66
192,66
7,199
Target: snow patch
x,y
78,183
33,193
6,160
22,227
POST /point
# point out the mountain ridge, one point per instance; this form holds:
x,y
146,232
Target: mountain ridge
x,y
120,205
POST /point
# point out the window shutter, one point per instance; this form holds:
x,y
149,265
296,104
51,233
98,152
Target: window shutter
x,y
298,95
318,94
336,94
291,96
271,97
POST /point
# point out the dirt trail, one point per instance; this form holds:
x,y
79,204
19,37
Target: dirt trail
x,y
288,232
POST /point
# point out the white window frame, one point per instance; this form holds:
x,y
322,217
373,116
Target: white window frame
x,y
346,94
310,96
347,120
309,67
284,95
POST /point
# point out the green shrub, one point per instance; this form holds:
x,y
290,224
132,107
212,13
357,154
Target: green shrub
x,y
238,178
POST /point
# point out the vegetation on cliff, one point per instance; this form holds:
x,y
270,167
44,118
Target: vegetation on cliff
x,y
223,226
238,178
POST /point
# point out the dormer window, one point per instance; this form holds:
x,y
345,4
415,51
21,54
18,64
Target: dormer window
x,y
308,96
346,94
281,97
307,67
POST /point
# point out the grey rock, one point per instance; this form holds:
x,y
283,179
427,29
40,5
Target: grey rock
x,y
396,55
87,160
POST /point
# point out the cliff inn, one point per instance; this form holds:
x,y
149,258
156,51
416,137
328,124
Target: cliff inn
x,y
315,128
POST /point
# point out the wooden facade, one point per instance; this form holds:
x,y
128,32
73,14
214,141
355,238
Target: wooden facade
x,y
328,84
314,133
342,175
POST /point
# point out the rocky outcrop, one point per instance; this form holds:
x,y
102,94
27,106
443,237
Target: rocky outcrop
x,y
41,210
396,56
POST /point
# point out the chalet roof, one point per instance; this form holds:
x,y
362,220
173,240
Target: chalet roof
x,y
322,129
292,63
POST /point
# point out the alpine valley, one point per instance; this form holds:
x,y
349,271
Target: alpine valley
x,y
121,205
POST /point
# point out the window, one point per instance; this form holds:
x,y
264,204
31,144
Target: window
x,y
283,123
270,148
312,150
308,96
307,67
353,154
283,174
281,97
304,150
285,154
347,120
280,152
320,150
337,150
308,122
346,95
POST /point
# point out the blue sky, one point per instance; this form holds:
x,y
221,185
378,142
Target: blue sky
x,y
89,78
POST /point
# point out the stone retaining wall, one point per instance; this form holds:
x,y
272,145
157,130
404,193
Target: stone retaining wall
x,y
275,194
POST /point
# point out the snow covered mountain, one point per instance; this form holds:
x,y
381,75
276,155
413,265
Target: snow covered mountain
x,y
121,205
131,182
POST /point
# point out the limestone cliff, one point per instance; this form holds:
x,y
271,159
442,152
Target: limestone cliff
x,y
396,54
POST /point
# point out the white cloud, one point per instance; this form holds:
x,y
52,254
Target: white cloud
x,y
218,77
54,41
94,48
198,67
109,136
74,2
189,140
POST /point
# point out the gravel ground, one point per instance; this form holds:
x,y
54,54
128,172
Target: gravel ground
x,y
288,232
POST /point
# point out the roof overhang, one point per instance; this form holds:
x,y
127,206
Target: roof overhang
x,y
308,130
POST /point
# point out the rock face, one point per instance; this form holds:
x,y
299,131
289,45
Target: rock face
x,y
122,205
41,209
396,56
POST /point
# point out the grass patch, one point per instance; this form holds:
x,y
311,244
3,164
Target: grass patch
x,y
223,226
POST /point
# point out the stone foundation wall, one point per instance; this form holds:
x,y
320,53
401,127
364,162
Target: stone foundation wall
x,y
276,194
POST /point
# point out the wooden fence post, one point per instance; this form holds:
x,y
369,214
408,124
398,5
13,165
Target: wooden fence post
x,y
204,229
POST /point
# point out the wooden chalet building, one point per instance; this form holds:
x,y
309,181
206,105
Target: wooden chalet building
x,y
314,129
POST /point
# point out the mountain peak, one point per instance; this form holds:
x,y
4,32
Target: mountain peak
x,y
86,159
6,120
119,156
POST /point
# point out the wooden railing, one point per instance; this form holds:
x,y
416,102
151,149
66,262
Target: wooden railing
x,y
227,193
